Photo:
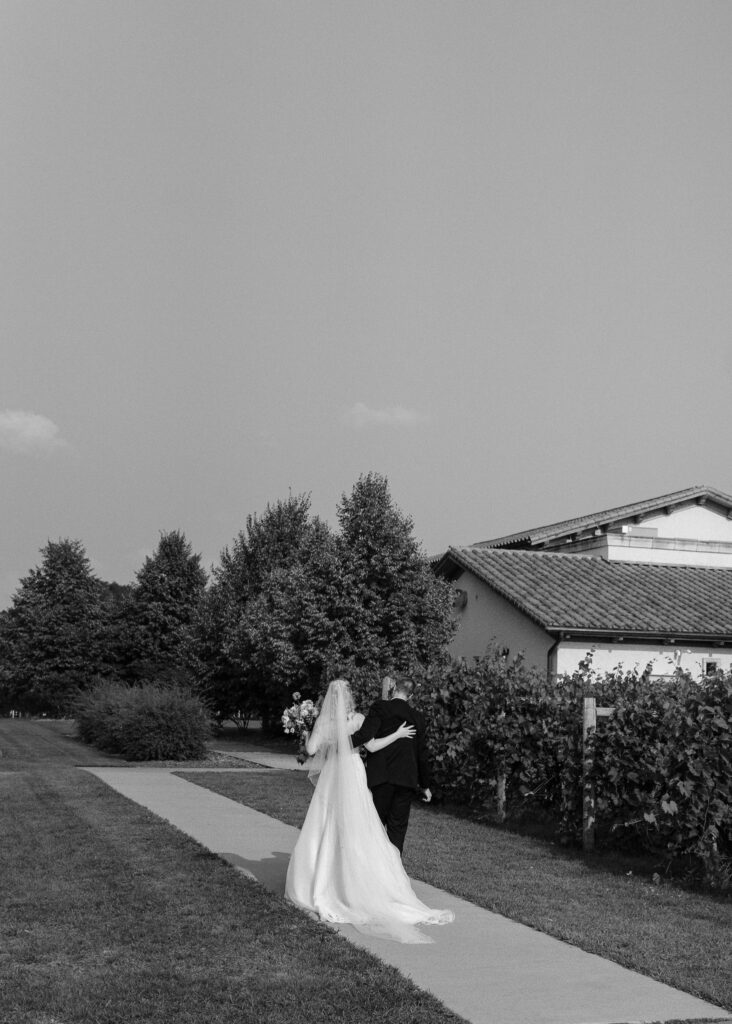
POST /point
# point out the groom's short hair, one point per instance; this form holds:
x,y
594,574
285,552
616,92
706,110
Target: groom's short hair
x,y
404,686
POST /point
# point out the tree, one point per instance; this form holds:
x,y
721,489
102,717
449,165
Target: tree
x,y
53,638
271,541
116,599
303,622
291,603
219,679
406,609
283,607
169,587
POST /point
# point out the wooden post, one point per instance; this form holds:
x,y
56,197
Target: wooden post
x,y
501,796
589,723
590,715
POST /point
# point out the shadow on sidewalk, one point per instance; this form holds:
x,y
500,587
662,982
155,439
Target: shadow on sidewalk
x,y
270,872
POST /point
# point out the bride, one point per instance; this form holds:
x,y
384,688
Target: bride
x,y
343,867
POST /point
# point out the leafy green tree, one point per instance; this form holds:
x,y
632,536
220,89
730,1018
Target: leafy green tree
x,y
219,679
159,617
280,609
116,599
406,610
301,624
53,638
270,541
291,603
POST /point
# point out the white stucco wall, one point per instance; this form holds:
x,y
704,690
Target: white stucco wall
x,y
696,535
668,552
487,616
696,522
664,659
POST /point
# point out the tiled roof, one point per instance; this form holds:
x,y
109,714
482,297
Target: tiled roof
x,y
577,592
543,534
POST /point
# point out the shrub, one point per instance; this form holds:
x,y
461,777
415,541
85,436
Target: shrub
x,y
501,734
506,737
663,772
100,714
365,684
151,722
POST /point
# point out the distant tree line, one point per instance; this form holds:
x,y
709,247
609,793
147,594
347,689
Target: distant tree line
x,y
291,602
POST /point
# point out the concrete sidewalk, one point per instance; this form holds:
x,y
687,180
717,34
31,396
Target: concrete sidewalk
x,y
486,968
288,762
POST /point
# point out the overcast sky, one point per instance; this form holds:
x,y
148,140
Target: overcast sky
x,y
483,248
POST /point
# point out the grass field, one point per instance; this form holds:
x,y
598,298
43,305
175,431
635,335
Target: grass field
x,y
110,916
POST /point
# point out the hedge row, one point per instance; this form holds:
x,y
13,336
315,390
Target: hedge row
x,y
503,736
150,722
662,767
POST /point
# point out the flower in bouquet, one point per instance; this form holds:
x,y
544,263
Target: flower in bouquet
x,y
298,721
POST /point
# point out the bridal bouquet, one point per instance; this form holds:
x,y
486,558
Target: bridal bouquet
x,y
299,719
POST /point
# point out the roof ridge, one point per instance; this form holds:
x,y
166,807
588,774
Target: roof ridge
x,y
618,512
524,551
509,553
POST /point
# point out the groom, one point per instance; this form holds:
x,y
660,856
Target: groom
x,y
396,772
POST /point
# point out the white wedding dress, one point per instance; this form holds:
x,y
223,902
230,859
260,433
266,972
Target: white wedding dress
x,y
343,867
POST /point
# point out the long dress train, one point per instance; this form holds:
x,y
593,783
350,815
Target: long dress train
x,y
343,867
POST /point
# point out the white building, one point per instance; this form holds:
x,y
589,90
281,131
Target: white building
x,y
642,584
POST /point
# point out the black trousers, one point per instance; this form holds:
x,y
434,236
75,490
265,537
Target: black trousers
x,y
393,804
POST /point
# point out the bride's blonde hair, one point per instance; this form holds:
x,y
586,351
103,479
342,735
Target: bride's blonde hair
x,y
330,731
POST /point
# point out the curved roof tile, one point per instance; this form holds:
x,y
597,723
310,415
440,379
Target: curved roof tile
x,y
578,592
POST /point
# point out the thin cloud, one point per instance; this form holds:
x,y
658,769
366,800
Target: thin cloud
x,y
28,433
360,415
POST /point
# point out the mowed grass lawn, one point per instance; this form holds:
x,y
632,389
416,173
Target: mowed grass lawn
x,y
679,937
110,916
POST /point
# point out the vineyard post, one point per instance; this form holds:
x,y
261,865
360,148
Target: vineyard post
x,y
590,714
589,723
501,796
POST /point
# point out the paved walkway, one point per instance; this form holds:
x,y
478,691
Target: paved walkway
x,y
486,968
265,758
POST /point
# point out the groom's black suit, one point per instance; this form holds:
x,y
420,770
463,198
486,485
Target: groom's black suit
x,y
394,773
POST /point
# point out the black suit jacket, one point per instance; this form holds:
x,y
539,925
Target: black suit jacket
x,y
404,762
